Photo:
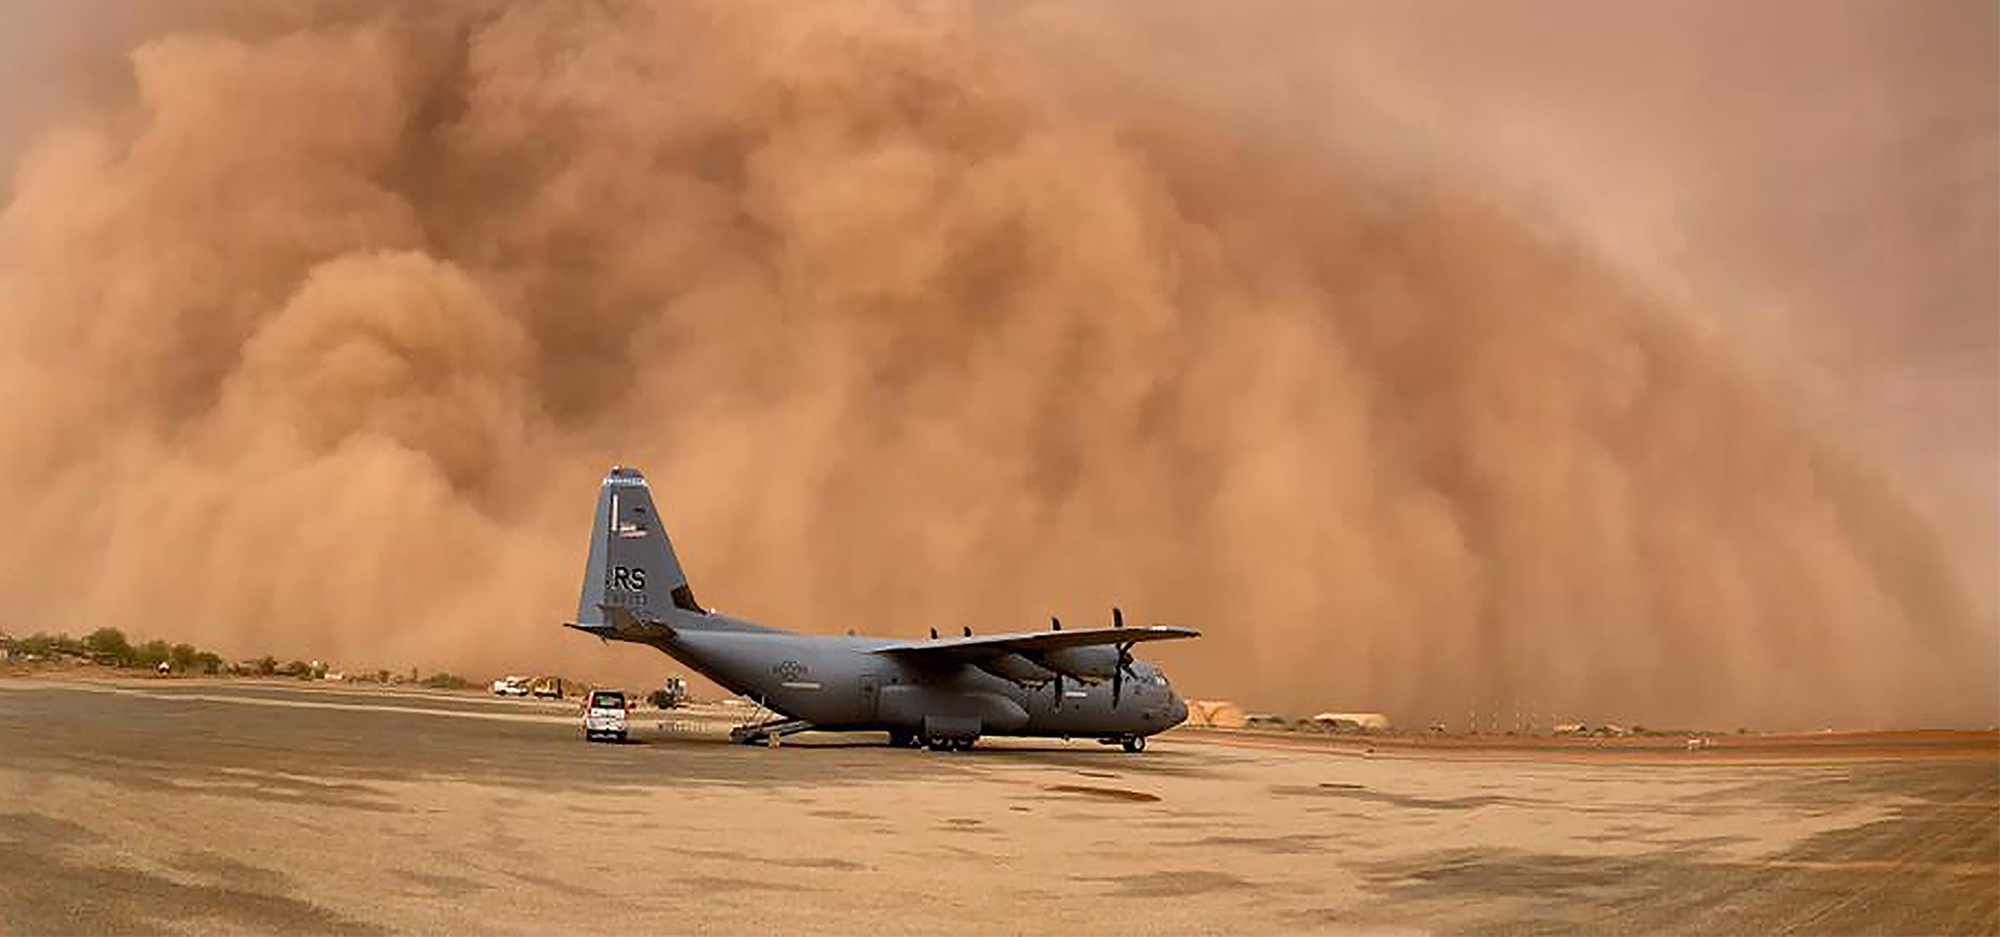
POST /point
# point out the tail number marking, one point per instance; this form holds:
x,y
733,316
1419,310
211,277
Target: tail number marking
x,y
627,578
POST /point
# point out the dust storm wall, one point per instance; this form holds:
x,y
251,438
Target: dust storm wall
x,y
317,337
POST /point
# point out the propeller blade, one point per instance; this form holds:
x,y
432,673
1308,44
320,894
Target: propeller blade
x,y
1118,672
1117,617
968,631
1055,624
933,634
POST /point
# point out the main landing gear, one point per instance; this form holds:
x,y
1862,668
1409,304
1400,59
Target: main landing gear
x,y
1132,743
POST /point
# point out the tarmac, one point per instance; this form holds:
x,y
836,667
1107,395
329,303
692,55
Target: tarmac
x,y
213,806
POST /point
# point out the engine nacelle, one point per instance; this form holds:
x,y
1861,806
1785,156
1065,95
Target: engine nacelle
x,y
1020,670
1088,664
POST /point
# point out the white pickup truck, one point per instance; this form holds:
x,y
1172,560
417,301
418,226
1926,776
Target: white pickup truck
x,y
604,715
510,686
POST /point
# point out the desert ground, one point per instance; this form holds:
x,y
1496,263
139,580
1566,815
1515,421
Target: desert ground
x,y
187,806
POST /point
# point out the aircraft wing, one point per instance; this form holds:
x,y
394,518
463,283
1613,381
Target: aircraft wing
x,y
990,645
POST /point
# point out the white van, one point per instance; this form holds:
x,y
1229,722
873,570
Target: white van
x,y
604,715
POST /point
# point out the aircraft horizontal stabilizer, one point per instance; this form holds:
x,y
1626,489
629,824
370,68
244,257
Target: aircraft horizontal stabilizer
x,y
622,625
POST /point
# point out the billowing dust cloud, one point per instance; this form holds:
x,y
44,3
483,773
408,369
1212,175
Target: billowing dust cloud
x,y
319,344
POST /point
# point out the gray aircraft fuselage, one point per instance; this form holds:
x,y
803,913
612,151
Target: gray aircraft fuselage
x,y
634,590
839,683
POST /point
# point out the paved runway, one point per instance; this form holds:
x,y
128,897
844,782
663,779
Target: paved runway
x,y
208,807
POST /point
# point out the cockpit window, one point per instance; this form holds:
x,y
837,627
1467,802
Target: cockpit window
x,y
1159,679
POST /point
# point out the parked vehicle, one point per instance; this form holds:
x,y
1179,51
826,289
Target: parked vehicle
x,y
670,696
510,686
604,715
546,687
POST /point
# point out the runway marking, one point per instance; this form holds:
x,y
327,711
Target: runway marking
x,y
312,688
691,727
302,704
569,716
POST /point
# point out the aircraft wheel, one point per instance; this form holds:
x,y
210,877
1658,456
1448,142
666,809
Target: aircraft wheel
x,y
1136,743
937,745
901,740
964,745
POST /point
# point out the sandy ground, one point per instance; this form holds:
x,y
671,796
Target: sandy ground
x,y
220,807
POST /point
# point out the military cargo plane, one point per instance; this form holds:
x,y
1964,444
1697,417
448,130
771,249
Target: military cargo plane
x,y
942,693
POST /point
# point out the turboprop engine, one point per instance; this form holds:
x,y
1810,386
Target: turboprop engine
x,y
1088,664
1092,662
1021,670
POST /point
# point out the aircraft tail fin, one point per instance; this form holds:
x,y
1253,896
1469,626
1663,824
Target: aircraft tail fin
x,y
632,565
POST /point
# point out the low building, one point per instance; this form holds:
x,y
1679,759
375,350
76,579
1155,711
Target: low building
x,y
1215,714
1352,722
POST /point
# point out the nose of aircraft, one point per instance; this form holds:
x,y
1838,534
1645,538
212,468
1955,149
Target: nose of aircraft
x,y
1177,712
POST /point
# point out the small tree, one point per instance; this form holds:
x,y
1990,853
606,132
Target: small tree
x,y
182,656
108,645
267,665
208,662
153,653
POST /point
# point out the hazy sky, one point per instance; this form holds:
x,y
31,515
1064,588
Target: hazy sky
x,y
1547,349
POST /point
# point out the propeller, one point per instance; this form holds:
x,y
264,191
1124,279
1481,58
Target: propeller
x,y
1055,624
1124,659
933,634
968,631
1118,673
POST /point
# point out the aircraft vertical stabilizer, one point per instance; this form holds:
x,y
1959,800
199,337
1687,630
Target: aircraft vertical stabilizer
x,y
632,563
